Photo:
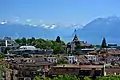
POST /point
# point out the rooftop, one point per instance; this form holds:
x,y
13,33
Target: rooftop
x,y
27,48
78,66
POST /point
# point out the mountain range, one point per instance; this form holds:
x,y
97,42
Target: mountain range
x,y
95,30
92,32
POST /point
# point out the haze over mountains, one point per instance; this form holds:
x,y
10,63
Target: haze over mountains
x,y
93,32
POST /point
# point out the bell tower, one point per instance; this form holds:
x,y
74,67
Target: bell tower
x,y
75,36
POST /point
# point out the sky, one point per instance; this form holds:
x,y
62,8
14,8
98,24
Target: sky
x,y
58,11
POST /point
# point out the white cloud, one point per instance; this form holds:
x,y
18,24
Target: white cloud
x,y
53,26
3,22
45,25
16,19
78,26
34,25
30,24
28,20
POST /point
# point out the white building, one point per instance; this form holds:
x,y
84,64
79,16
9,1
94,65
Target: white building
x,y
72,59
91,57
52,59
28,48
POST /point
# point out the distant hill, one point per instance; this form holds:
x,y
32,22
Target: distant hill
x,y
93,32
19,30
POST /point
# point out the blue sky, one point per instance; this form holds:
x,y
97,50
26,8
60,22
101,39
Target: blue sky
x,y
58,11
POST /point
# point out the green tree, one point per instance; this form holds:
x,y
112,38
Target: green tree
x,y
2,55
29,41
62,42
21,42
57,45
6,50
2,44
18,41
33,39
59,77
49,44
114,77
24,41
38,44
62,61
110,77
66,77
41,78
57,48
37,78
101,78
58,39
87,78
104,44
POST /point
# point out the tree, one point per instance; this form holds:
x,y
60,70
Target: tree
x,y
62,61
57,45
6,50
101,78
29,41
57,48
24,41
66,77
41,78
21,42
86,78
58,39
2,44
110,77
62,42
37,78
18,41
37,45
104,44
49,44
59,77
2,55
33,39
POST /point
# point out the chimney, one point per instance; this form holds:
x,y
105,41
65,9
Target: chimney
x,y
6,43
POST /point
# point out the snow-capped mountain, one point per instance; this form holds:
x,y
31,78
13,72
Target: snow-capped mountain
x,y
47,31
95,30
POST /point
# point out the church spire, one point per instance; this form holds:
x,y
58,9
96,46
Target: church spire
x,y
75,36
